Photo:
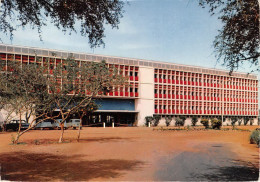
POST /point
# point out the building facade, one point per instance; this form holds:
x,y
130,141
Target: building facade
x,y
157,88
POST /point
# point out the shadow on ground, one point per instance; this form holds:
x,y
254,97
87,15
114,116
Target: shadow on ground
x,y
73,140
34,167
233,173
211,163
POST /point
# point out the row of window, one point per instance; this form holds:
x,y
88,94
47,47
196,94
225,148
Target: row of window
x,y
215,85
207,108
165,75
243,113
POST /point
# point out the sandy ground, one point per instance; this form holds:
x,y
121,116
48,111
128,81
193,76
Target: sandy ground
x,y
132,154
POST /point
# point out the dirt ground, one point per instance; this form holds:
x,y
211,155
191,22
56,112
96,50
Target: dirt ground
x,y
132,154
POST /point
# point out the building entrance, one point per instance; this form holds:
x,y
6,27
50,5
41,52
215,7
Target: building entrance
x,y
119,119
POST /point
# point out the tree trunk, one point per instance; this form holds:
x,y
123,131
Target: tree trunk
x,y
62,132
79,129
19,130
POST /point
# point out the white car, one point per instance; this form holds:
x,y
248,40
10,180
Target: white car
x,y
74,123
49,123
57,124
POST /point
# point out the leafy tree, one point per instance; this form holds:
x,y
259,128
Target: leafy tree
x,y
194,120
216,123
183,118
74,85
156,120
251,121
239,121
83,111
64,14
168,120
205,122
233,121
23,89
238,39
180,121
246,119
70,87
148,119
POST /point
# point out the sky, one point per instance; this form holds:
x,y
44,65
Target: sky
x,y
177,31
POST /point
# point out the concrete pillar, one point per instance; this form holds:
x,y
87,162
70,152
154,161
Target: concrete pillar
x,y
145,103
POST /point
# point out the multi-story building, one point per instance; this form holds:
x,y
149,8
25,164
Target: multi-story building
x,y
158,88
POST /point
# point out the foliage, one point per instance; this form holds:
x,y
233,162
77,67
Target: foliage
x,y
233,121
251,121
73,86
238,39
148,119
216,123
180,121
246,119
168,120
194,120
205,122
24,89
68,88
239,121
156,120
255,137
88,17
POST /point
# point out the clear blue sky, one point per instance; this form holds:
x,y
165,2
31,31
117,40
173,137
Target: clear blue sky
x,y
177,31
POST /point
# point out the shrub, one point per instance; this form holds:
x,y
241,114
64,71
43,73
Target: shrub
x,y
216,123
183,118
205,122
255,137
251,121
148,119
246,119
168,120
239,121
179,122
233,121
194,120
156,120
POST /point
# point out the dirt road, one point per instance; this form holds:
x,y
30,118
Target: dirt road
x,y
131,154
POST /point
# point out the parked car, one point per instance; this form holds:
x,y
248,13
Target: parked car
x,y
57,124
13,125
46,124
74,123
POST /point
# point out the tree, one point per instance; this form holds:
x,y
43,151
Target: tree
x,y
216,123
233,121
73,85
180,121
66,87
238,39
168,120
148,119
205,122
246,119
64,14
23,89
194,120
156,120
83,111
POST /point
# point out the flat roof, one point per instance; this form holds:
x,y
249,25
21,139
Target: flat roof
x,y
15,49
